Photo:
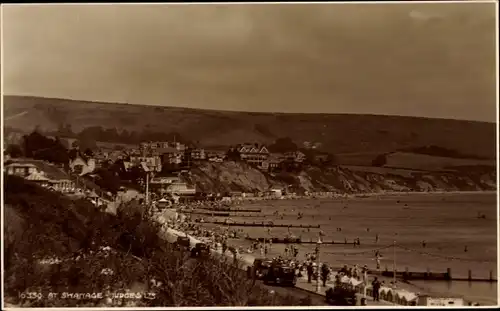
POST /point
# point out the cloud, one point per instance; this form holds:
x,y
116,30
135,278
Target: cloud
x,y
270,57
423,16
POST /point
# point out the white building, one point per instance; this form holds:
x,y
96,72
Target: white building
x,y
425,300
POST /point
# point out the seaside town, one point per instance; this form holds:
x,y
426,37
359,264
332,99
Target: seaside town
x,y
158,180
304,155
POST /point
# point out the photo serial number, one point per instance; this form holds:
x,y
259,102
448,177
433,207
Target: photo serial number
x,y
71,295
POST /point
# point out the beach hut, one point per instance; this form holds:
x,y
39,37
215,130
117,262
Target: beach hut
x,y
369,290
389,296
384,293
405,298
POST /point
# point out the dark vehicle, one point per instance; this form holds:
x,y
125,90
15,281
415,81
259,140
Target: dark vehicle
x,y
341,295
259,268
200,250
182,243
280,274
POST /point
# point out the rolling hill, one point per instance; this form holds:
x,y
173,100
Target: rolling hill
x,y
337,133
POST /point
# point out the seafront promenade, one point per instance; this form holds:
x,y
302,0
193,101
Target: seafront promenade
x,y
246,260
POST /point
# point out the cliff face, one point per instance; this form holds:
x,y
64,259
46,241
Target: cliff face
x,y
233,176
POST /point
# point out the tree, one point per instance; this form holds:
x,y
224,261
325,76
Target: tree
x,y
15,151
283,145
87,143
380,160
88,153
330,160
37,146
233,154
136,174
108,180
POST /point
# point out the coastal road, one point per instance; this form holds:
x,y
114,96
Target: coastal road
x,y
315,299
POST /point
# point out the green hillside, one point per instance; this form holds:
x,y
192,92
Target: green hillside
x,y
338,133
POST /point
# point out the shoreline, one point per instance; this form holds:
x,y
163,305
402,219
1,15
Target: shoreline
x,y
246,259
241,244
238,200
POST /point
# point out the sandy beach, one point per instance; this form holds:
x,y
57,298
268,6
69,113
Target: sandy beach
x,y
447,223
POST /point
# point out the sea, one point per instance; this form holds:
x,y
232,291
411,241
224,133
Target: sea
x,y
417,232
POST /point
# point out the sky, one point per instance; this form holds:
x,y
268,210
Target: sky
x,y
430,60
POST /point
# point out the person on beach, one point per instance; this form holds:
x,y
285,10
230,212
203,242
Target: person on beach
x,y
266,250
376,238
261,250
343,270
349,272
424,244
338,281
378,261
376,287
355,272
234,253
286,251
224,246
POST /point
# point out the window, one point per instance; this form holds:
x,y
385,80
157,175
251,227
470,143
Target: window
x,y
78,168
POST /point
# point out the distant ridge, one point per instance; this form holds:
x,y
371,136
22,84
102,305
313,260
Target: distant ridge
x,y
66,100
337,133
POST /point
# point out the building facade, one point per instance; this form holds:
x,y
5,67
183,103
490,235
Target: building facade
x,y
254,154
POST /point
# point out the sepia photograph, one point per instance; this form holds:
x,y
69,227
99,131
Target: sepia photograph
x,y
271,154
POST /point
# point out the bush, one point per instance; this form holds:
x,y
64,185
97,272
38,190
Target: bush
x,y
76,231
380,160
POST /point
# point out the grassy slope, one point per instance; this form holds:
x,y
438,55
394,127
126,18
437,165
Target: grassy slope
x,y
339,133
64,228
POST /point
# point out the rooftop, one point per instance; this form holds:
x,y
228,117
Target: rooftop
x,y
50,170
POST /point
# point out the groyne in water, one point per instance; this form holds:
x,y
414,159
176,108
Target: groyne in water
x,y
433,276
260,224
302,241
233,210
214,214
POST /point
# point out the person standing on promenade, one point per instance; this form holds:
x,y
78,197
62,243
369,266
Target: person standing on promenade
x,y
376,287
309,272
325,273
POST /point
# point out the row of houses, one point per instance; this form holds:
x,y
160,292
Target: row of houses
x,y
158,154
155,156
40,172
261,157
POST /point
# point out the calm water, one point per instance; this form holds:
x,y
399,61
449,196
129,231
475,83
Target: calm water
x,y
448,223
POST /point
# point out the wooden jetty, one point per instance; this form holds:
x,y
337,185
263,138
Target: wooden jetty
x,y
260,224
433,276
300,241
214,214
233,210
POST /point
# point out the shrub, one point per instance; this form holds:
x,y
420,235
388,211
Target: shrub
x,y
76,231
